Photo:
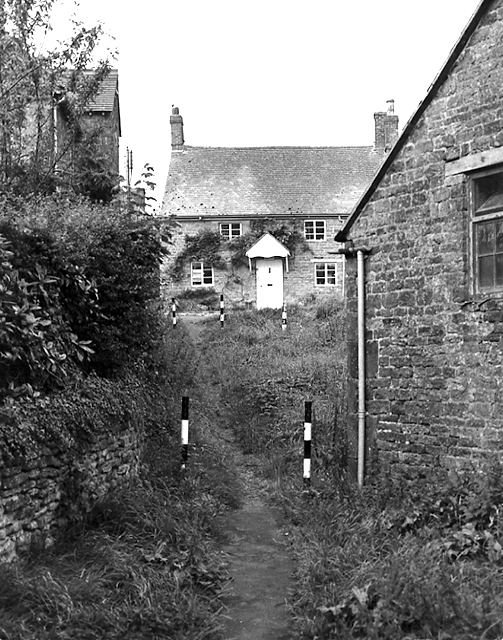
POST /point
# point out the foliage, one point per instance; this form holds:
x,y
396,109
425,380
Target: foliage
x,y
144,563
78,278
29,83
203,247
273,373
211,247
41,295
66,421
142,567
289,233
401,559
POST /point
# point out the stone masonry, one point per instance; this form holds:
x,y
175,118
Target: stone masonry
x,y
42,493
434,348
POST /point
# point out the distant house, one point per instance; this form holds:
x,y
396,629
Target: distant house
x,y
272,211
425,244
86,120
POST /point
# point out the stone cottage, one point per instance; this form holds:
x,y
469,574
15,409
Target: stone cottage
x,y
424,253
257,224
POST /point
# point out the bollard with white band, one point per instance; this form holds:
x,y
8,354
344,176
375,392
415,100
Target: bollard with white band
x,y
283,317
308,412
222,314
185,431
173,311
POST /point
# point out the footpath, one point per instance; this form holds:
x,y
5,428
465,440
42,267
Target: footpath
x,y
254,545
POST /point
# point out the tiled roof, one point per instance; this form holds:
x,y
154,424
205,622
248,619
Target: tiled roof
x,y
268,180
104,99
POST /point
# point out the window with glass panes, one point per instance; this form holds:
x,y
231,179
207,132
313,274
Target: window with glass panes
x,y
329,274
230,230
201,275
487,231
314,229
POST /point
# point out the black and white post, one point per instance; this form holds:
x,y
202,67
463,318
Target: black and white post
x,y
283,317
173,311
222,310
185,431
308,423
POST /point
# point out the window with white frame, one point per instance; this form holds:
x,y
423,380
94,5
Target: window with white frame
x,y
315,230
329,274
201,275
487,231
230,230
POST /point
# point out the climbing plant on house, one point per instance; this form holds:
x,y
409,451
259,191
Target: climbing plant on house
x,y
204,246
211,247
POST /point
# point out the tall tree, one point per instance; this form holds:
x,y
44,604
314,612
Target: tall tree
x,y
32,80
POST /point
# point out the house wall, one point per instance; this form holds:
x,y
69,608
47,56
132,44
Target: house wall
x,y
238,284
434,385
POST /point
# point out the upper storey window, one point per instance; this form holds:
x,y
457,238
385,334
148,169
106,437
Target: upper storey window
x,y
315,230
230,230
487,231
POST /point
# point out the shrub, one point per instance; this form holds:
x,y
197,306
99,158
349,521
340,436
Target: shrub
x,y
94,270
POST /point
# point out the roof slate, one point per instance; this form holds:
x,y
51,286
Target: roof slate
x,y
105,97
249,181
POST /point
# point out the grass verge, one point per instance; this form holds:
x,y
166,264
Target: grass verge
x,y
398,560
144,563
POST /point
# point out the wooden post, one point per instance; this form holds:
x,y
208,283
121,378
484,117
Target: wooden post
x,y
308,411
185,431
173,311
283,317
222,313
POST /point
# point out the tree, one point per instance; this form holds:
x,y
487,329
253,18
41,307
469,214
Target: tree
x,y
30,82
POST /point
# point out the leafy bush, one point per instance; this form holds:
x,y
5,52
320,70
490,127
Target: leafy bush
x,y
38,345
80,281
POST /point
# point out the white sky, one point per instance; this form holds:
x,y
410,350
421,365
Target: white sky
x,y
270,72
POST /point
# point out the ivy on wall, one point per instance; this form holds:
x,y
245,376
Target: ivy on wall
x,y
205,246
211,247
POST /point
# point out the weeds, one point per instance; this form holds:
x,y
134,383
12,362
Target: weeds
x,y
144,563
398,560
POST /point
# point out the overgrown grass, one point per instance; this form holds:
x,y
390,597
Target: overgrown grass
x,y
144,564
398,560
266,375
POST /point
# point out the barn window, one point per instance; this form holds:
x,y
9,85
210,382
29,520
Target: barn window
x,y
230,230
315,230
201,275
487,231
329,274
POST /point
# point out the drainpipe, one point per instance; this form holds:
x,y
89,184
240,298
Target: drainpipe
x,y
361,366
349,250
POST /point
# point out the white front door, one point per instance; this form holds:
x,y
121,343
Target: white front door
x,y
269,283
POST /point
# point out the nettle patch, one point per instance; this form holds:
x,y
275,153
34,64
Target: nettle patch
x,y
212,248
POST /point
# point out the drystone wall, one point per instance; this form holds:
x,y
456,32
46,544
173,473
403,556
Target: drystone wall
x,y
43,492
434,348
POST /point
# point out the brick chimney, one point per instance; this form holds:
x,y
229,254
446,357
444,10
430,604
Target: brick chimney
x,y
176,122
386,128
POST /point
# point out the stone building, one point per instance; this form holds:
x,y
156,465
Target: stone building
x,y
86,122
226,203
424,249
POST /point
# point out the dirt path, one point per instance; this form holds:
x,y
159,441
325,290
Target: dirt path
x,y
259,562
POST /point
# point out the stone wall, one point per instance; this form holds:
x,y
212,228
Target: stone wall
x,y
40,494
434,385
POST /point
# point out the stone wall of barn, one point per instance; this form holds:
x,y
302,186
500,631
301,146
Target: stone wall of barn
x,y
435,372
41,493
239,284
